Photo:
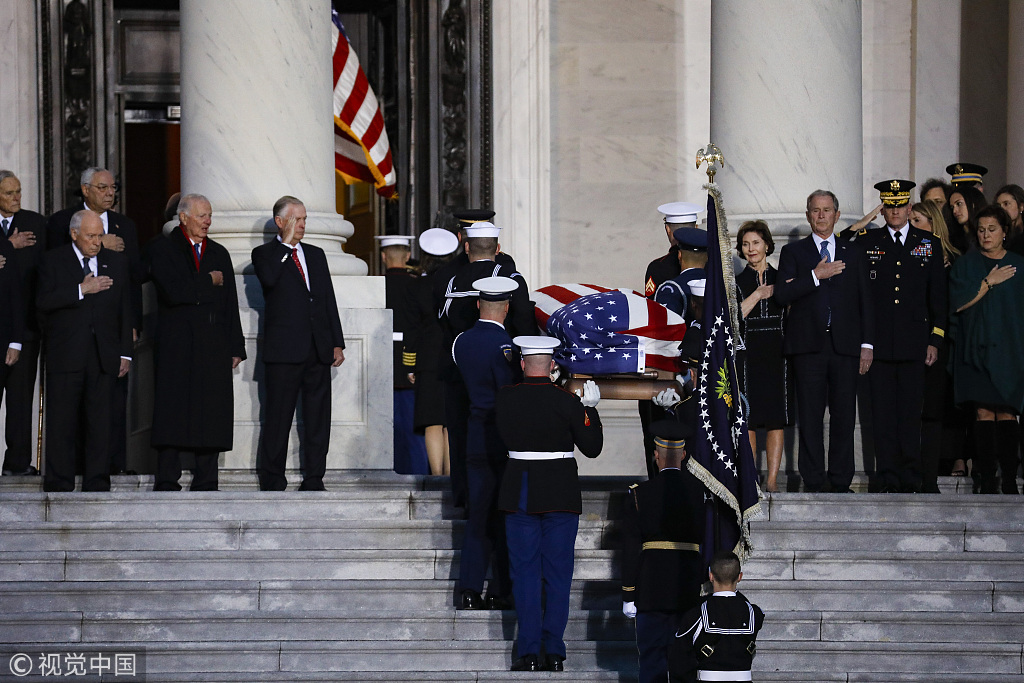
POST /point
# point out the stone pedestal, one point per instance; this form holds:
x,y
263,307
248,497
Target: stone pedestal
x,y
786,107
256,94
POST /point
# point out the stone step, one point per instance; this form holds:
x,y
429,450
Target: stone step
x,y
447,534
449,624
892,508
772,596
974,662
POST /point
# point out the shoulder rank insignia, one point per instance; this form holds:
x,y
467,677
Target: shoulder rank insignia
x,y
507,350
649,287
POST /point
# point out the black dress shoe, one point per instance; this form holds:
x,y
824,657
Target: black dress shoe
x,y
500,602
312,485
525,663
30,472
553,663
470,599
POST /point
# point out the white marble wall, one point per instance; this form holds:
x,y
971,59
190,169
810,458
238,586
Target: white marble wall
x,y
936,115
1015,95
19,101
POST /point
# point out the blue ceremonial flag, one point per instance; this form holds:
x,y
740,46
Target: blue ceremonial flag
x,y
722,458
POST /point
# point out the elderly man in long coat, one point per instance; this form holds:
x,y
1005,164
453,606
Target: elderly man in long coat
x,y
199,344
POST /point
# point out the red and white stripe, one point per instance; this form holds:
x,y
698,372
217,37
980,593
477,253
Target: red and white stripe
x,y
658,329
361,148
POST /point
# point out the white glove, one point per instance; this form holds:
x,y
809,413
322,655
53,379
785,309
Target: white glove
x,y
629,609
667,398
591,394
556,373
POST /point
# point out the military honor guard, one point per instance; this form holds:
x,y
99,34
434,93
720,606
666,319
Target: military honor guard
x,y
907,281
22,242
457,312
677,215
540,424
963,174
400,293
674,293
662,569
717,640
484,355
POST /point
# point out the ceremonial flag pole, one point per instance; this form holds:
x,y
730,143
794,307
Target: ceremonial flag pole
x,y
722,458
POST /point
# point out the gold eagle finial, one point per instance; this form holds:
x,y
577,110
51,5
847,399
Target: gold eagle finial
x,y
711,156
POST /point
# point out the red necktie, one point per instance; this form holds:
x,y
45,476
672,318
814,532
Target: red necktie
x,y
298,264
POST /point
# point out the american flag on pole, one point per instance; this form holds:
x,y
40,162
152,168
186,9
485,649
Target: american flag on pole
x,y
361,149
608,331
722,458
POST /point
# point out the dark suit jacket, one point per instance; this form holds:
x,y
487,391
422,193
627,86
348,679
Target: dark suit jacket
x,y
909,291
297,317
12,307
26,263
57,234
69,323
853,320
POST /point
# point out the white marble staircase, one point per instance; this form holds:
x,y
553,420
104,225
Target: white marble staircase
x,y
356,584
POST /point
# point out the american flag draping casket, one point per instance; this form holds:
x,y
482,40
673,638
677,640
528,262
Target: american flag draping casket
x,y
608,331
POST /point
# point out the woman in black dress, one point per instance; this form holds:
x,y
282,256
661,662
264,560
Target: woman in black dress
x,y
764,370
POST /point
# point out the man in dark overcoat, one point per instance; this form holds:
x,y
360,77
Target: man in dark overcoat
x,y
199,344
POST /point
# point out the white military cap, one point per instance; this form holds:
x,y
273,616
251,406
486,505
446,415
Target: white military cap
x,y
438,242
392,240
481,229
535,345
680,212
495,288
697,286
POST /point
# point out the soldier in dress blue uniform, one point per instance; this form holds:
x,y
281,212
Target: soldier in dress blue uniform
x,y
674,294
485,356
541,423
677,215
662,569
963,174
455,299
907,281
400,291
717,640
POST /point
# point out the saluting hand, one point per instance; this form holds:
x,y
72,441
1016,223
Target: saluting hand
x,y
92,284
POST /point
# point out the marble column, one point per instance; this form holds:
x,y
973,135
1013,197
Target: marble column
x,y
256,95
786,106
937,87
522,133
19,101
1015,95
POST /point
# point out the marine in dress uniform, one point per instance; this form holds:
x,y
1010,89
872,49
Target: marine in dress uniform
x,y
662,569
485,356
677,215
717,640
907,281
964,174
401,298
540,424
455,299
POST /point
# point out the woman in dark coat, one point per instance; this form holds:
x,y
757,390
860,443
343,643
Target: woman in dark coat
x,y
198,344
987,299
764,369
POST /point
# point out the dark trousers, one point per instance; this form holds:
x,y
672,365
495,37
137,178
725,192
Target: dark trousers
x,y
485,529
826,378
19,386
68,393
654,631
649,413
410,449
168,469
456,415
284,382
541,554
119,425
897,397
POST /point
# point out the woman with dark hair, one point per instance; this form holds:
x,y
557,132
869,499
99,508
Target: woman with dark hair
x,y
965,203
764,370
1011,199
987,301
